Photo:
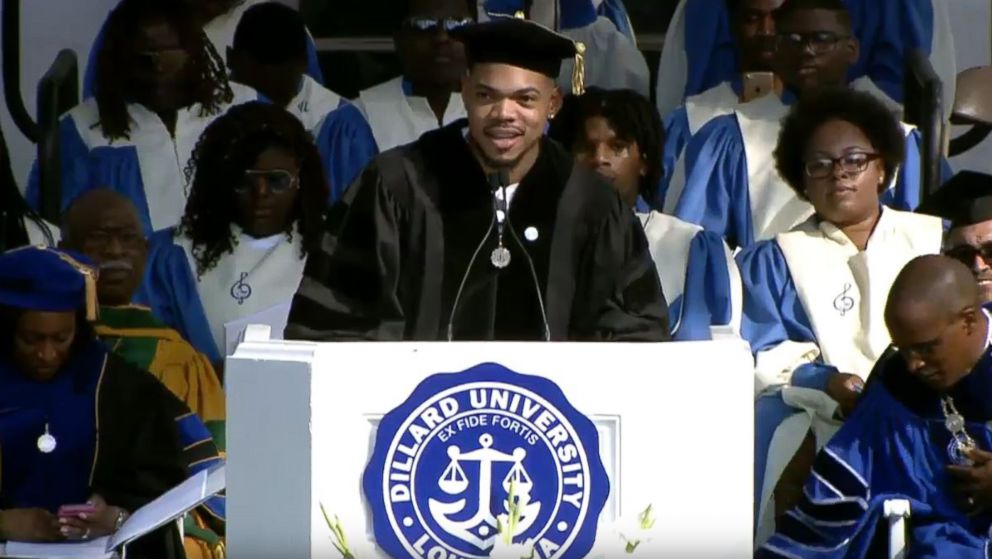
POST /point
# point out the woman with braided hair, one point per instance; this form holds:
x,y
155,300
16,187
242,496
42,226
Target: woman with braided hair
x,y
255,211
159,83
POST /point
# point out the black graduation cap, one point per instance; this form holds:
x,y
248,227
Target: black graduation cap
x,y
966,199
522,43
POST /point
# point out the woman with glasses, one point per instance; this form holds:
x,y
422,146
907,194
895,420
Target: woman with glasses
x,y
730,183
159,83
814,296
255,211
426,97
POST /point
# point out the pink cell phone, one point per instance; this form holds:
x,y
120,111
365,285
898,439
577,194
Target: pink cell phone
x,y
75,510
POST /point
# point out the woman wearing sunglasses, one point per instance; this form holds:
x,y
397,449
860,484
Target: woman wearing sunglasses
x,y
255,211
814,296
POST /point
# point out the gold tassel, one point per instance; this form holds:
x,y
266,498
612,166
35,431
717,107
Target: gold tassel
x,y
89,279
579,72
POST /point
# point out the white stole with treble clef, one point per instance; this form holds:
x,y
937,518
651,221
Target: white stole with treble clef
x,y
843,290
258,275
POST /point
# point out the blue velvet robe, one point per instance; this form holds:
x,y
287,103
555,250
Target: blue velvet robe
x,y
894,446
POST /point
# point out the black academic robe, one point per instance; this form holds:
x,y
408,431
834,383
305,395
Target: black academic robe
x,y
399,244
138,454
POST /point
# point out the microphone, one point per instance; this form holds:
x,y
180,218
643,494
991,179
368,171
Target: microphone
x,y
503,178
471,262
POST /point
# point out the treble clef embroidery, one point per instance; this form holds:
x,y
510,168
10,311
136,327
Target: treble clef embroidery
x,y
241,290
844,303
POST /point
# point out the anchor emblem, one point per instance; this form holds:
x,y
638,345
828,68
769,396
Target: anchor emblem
x,y
480,529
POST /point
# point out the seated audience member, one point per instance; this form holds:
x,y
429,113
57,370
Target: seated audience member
x,y
611,59
966,201
813,296
19,224
426,97
699,51
731,186
920,432
619,135
103,225
485,229
219,20
255,212
752,27
159,84
60,390
269,54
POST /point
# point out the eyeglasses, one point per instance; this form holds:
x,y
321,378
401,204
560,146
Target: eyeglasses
x,y
820,42
851,163
167,60
926,350
276,181
432,24
966,253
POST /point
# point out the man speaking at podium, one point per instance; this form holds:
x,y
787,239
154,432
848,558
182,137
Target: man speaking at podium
x,y
485,229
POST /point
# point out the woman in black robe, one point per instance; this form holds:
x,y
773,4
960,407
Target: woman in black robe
x,y
78,426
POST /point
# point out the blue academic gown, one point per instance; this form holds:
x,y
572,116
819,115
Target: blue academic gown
x,y
68,405
773,313
705,298
887,30
88,160
615,11
716,195
346,145
893,446
89,76
169,289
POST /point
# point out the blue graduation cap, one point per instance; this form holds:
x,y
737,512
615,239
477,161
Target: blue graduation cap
x,y
45,279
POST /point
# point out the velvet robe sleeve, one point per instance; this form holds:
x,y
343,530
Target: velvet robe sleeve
x,y
349,289
775,324
169,289
346,146
883,451
706,300
715,195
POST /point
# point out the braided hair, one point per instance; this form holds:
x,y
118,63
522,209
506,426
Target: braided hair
x,y
230,145
114,61
631,116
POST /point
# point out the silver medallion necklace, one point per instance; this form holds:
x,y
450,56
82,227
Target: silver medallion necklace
x,y
46,442
500,256
961,441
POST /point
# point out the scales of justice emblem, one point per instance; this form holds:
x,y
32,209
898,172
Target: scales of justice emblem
x,y
448,463
480,529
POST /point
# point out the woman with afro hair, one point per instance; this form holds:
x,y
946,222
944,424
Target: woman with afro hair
x,y
814,296
255,211
159,83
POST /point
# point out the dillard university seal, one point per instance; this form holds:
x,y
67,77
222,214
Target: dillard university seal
x,y
446,460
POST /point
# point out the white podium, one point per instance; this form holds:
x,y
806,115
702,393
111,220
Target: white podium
x,y
674,424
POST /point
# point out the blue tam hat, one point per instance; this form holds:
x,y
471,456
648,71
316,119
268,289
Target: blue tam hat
x,y
45,279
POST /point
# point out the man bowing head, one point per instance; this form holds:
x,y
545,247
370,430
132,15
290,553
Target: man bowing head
x,y
485,229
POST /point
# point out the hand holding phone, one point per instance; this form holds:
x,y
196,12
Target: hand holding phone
x,y
76,511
